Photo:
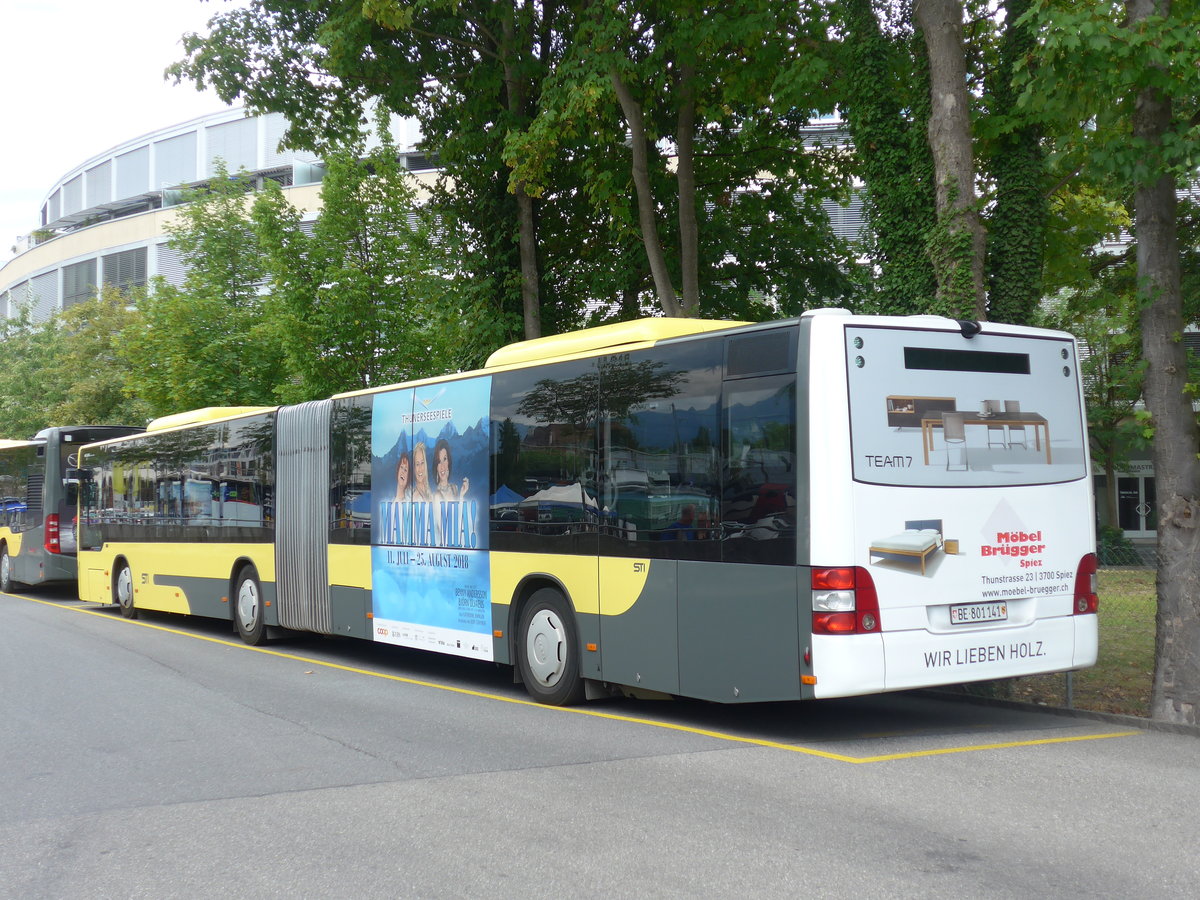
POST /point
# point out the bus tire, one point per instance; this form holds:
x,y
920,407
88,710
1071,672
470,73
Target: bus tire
x,y
548,649
6,570
248,607
123,590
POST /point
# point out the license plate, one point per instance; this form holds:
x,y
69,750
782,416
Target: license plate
x,y
974,613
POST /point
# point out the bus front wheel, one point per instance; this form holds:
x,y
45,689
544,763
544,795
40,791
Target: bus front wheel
x,y
548,649
248,608
123,591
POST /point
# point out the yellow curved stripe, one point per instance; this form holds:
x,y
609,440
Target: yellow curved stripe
x,y
597,714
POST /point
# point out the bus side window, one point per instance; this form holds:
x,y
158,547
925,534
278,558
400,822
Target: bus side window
x,y
543,491
660,486
758,505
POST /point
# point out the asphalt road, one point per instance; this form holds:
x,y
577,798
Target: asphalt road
x,y
161,758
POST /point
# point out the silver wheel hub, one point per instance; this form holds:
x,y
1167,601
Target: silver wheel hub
x,y
546,647
247,604
125,588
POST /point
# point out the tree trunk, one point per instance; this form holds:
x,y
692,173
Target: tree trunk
x,y
647,213
685,173
531,303
959,251
1176,693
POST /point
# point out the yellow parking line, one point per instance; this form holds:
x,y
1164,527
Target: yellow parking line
x,y
599,714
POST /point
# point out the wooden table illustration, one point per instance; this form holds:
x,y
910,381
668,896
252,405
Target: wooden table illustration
x,y
1036,421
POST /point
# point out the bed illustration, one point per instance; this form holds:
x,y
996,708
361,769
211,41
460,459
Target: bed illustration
x,y
917,541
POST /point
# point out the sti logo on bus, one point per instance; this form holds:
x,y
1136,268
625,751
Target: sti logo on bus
x,y
639,567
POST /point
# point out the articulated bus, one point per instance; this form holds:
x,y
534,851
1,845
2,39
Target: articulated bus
x,y
38,504
828,506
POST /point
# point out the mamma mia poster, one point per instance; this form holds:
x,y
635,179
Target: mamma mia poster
x,y
429,475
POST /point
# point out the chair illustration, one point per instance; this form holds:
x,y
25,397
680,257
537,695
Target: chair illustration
x,y
954,433
996,435
1015,431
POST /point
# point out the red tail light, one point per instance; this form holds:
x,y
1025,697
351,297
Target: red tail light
x,y
844,601
1086,599
52,543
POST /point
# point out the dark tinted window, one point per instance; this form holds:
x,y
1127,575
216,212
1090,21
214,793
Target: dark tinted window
x,y
350,476
660,485
543,436
758,508
212,482
20,473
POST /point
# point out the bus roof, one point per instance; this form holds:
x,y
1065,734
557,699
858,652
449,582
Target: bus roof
x,y
9,445
603,337
207,414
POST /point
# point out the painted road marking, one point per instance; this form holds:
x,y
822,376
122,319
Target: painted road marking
x,y
598,714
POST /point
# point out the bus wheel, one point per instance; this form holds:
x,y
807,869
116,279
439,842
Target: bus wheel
x,y
548,650
248,608
123,591
6,579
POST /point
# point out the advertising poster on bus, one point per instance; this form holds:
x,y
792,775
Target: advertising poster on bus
x,y
429,561
935,421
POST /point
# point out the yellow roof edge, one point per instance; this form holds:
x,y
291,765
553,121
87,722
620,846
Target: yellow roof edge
x,y
6,444
602,337
207,414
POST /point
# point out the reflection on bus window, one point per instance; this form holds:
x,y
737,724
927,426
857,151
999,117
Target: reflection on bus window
x,y
758,508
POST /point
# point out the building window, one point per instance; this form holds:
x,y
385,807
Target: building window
x,y
79,282
126,269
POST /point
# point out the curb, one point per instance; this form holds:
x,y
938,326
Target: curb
x,y
1112,718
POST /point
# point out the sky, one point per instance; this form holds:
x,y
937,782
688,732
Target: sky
x,y
78,77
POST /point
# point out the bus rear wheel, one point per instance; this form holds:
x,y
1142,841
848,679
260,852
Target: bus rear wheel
x,y
123,591
6,570
548,649
248,607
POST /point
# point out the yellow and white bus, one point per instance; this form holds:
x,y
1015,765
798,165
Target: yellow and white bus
x,y
38,504
820,507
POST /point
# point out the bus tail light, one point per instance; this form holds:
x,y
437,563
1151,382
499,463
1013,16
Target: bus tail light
x,y
844,601
1086,598
52,543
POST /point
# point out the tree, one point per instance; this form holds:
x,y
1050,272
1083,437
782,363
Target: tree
x,y
959,242
29,385
208,341
66,370
706,107
89,362
467,70
1140,122
352,304
886,90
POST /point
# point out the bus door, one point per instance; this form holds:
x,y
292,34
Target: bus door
x,y
739,618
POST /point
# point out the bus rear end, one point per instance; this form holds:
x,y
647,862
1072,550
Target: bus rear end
x,y
961,546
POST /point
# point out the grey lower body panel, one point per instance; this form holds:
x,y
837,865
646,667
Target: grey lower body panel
x,y
714,631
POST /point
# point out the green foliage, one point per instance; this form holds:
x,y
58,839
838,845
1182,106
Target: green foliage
x,y
886,85
1017,225
352,305
89,362
29,385
66,369
719,99
208,341
1094,36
